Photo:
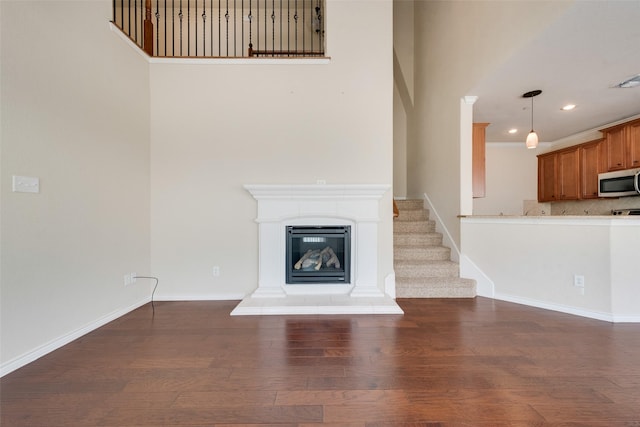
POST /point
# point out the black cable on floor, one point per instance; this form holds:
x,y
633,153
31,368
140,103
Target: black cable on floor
x,y
153,308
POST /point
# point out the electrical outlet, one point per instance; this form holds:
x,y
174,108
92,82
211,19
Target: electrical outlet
x,y
216,271
25,184
578,281
129,279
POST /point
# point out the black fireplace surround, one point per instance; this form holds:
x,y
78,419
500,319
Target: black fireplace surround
x,y
318,254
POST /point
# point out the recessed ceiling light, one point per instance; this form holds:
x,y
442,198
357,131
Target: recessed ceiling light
x,y
569,107
632,82
512,131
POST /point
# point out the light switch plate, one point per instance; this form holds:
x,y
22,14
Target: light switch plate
x,y
25,184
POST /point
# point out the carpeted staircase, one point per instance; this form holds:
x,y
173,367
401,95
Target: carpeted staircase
x,y
422,265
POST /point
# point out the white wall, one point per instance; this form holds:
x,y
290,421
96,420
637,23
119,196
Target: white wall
x,y
624,251
111,137
75,114
403,55
534,260
511,178
400,125
457,44
215,127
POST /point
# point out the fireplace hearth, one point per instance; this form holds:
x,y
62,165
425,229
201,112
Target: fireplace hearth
x,y
318,254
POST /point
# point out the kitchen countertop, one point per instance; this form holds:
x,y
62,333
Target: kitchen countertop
x,y
549,219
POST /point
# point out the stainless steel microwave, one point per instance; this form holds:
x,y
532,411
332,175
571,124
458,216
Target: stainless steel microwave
x,y
619,183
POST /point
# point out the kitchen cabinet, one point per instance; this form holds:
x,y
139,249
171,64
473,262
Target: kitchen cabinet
x,y
634,144
572,173
547,171
623,145
478,165
559,175
616,142
568,174
592,162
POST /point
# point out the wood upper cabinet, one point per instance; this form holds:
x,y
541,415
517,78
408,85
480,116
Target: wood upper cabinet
x,y
616,141
569,174
633,132
623,145
572,173
592,162
559,175
547,172
478,166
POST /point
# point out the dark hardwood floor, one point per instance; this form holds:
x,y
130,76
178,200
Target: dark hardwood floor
x,y
446,362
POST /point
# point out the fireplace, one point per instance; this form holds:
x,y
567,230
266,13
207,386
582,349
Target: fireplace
x,y
345,218
318,254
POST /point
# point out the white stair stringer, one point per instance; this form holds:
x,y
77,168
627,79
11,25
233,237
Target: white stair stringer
x,y
422,265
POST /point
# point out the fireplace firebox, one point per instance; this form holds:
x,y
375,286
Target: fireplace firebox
x,y
318,254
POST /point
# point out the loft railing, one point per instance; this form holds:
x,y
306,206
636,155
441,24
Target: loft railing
x,y
223,28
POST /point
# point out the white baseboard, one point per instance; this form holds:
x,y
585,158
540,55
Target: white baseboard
x,y
210,297
598,315
626,319
484,285
55,344
38,352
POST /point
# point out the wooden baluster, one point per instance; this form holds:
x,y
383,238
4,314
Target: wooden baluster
x,y
148,29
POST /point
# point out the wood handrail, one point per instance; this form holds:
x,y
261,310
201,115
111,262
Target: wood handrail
x,y
255,52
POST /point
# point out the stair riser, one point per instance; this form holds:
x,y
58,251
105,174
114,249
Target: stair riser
x,y
435,293
414,215
416,239
435,287
411,253
434,282
414,227
409,204
415,271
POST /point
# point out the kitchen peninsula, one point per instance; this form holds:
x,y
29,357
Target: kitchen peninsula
x,y
579,264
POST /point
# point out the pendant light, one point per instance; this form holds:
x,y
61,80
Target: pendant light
x,y
532,138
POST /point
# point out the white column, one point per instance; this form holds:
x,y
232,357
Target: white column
x,y
366,261
466,154
271,264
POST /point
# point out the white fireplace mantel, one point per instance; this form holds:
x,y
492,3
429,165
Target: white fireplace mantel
x,y
357,205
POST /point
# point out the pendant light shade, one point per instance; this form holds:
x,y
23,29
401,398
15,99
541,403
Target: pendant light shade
x,y
532,138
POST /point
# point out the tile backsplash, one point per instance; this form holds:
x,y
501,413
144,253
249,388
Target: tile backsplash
x,y
581,207
534,208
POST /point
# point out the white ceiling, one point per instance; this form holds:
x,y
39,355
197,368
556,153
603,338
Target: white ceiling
x,y
577,59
